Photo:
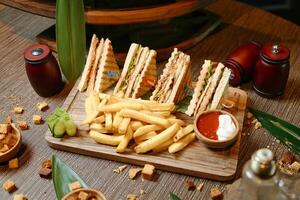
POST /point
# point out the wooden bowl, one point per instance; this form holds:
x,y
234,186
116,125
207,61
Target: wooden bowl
x,y
74,194
11,153
216,144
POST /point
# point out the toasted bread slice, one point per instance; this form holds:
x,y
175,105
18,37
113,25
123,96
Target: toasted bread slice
x,y
128,68
221,89
83,83
147,77
108,69
211,88
199,87
94,70
176,76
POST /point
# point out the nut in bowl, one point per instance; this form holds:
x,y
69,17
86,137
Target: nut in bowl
x,y
84,193
10,142
216,128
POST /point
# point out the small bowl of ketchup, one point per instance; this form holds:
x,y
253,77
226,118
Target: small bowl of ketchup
x,y
216,128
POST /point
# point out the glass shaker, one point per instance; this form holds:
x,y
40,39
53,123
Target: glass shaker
x,y
259,179
42,70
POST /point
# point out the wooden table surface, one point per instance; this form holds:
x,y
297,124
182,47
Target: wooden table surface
x,y
242,23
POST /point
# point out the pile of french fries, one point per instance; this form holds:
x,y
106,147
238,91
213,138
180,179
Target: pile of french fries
x,y
117,121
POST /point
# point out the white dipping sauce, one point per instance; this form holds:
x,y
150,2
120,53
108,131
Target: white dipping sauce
x,y
226,127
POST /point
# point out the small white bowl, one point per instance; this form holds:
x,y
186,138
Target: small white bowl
x,y
216,144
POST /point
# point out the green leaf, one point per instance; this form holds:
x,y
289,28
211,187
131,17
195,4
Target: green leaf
x,y
172,196
284,131
70,37
62,176
183,105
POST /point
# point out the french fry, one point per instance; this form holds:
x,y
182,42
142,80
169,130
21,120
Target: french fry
x,y
182,143
99,128
126,139
101,138
151,105
183,132
116,107
146,129
135,125
158,139
164,146
145,117
173,121
144,137
99,119
103,96
89,119
124,125
116,122
108,121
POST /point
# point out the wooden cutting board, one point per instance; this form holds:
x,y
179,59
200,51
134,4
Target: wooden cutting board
x,y
195,160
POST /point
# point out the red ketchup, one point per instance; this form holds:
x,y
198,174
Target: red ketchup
x,y
208,125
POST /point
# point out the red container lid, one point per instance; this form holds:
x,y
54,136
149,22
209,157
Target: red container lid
x,y
37,52
275,52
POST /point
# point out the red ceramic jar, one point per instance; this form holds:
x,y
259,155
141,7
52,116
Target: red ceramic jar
x,y
242,61
272,71
42,70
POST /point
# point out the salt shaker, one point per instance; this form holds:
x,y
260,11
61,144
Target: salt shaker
x,y
242,61
272,70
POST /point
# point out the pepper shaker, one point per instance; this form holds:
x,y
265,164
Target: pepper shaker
x,y
272,70
42,70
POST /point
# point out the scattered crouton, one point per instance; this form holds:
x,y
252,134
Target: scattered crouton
x,y
9,186
120,169
249,115
132,197
47,164
18,110
216,194
254,121
200,187
5,128
142,192
74,186
257,125
148,171
37,119
288,157
133,172
83,195
20,197
295,166
45,173
190,185
23,125
8,120
42,106
13,164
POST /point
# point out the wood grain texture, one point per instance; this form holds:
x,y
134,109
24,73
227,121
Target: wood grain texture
x,y
195,160
114,16
243,23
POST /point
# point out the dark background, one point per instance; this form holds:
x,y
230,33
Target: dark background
x,y
288,9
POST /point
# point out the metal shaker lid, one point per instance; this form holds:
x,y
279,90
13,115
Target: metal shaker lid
x,y
263,164
37,53
275,52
